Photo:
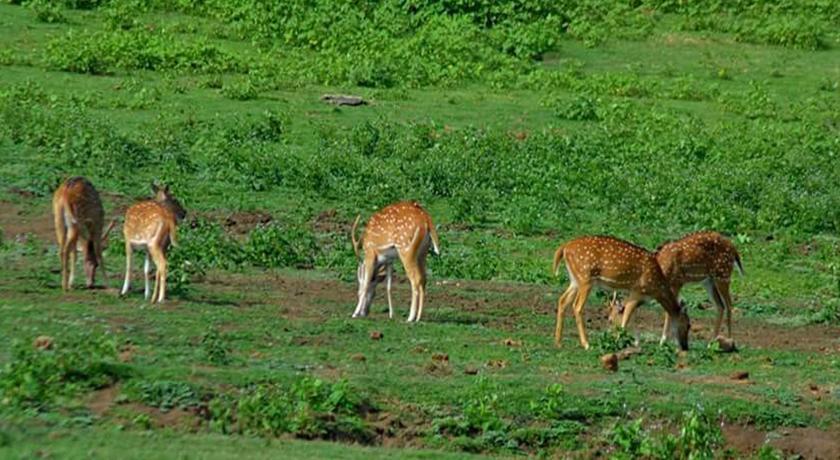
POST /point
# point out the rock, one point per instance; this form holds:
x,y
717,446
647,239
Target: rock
x,y
376,335
610,362
340,99
512,343
471,370
726,345
43,342
358,357
440,357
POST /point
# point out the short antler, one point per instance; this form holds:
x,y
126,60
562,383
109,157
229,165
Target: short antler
x,y
108,231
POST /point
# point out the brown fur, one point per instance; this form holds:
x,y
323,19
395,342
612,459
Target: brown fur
x,y
79,218
610,262
408,229
152,224
706,257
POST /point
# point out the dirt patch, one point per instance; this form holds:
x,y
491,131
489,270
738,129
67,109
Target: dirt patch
x,y
17,223
329,222
102,400
749,332
242,223
809,443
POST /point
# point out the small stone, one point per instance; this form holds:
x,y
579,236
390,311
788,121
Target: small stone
x,y
376,335
471,370
440,357
726,345
358,357
512,343
610,362
43,342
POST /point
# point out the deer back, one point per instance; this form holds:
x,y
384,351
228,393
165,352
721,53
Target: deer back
x,y
399,225
145,220
697,256
79,202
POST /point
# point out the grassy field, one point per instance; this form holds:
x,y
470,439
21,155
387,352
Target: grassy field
x,y
519,126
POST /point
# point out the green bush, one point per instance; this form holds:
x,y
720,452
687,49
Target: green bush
x,y
310,409
163,394
39,377
699,437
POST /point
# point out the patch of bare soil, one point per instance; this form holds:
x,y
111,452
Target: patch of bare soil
x,y
103,401
17,223
242,223
806,443
329,222
749,332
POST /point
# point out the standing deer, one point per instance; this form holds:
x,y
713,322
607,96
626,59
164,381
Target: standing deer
x,y
152,224
618,265
706,257
403,230
78,215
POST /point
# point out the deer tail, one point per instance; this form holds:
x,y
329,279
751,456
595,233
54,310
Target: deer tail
x,y
738,264
434,235
558,257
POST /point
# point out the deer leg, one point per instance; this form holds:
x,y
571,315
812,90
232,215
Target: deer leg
x,y
147,268
716,299
72,241
64,255
629,308
160,270
366,285
666,326
580,302
127,282
563,302
421,286
388,276
722,287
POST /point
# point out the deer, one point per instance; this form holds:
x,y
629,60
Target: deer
x,y
706,257
403,230
79,217
604,261
152,224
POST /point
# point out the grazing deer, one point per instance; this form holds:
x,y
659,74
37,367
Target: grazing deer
x,y
152,224
609,262
78,215
706,257
403,230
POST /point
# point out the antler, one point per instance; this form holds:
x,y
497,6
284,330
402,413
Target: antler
x,y
108,230
353,235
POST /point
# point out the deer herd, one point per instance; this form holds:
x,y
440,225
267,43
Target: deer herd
x,y
405,230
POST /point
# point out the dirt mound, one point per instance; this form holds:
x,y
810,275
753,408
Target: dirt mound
x,y
242,223
807,443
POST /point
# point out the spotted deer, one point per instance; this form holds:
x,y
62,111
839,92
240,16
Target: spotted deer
x,y
79,217
615,264
702,257
403,230
152,224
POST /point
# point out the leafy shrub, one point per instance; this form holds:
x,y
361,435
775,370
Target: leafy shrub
x,y
137,49
163,394
215,347
581,108
47,11
699,438
310,409
37,378
613,340
240,90
275,246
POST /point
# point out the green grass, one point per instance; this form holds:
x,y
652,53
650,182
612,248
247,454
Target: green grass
x,y
507,171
